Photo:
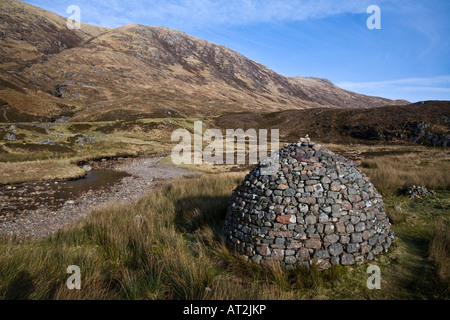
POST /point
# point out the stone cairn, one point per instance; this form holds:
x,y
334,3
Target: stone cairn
x,y
317,209
418,192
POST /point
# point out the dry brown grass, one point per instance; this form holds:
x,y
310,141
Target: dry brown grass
x,y
391,173
393,167
11,172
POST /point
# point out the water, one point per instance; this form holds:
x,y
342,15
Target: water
x,y
15,199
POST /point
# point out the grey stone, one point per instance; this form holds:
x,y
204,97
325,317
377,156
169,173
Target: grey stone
x,y
335,249
321,254
310,219
347,259
323,217
353,247
356,237
360,227
289,192
331,238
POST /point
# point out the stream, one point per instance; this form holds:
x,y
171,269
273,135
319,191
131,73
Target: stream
x,y
16,199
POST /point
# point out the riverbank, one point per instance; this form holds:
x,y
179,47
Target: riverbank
x,y
143,175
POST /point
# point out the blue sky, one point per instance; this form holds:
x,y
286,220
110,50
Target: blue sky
x,y
408,58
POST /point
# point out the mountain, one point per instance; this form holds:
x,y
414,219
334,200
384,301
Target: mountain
x,y
100,73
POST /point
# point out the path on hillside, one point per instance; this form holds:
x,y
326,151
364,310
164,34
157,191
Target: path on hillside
x,y
146,174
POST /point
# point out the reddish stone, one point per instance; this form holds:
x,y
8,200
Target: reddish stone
x,y
313,244
287,219
340,227
282,187
281,234
294,244
318,165
278,254
366,235
335,186
263,250
303,254
365,249
346,205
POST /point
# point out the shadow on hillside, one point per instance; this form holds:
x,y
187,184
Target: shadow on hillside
x,y
21,287
416,279
194,213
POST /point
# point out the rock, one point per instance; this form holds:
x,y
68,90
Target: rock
x,y
335,186
287,219
87,168
313,244
321,254
10,137
282,187
335,249
331,238
361,226
47,142
303,254
323,217
347,259
289,192
418,192
278,254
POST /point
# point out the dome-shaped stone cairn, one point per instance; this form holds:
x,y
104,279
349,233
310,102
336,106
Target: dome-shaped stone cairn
x,y
317,209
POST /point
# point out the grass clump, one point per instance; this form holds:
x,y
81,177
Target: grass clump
x,y
439,251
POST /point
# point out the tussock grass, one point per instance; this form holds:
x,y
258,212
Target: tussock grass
x,y
391,173
394,167
439,251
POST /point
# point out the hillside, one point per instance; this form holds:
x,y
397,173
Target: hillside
x,y
102,74
426,123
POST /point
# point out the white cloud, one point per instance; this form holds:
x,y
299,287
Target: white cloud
x,y
412,89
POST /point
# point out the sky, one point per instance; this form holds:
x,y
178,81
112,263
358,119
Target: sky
x,y
407,58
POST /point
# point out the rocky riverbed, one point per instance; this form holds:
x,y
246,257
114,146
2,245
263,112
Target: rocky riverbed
x,y
38,209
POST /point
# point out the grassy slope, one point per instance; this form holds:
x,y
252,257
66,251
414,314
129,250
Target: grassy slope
x,y
167,246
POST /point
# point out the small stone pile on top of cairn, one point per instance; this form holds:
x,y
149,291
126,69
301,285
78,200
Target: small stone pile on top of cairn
x,y
319,208
418,192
